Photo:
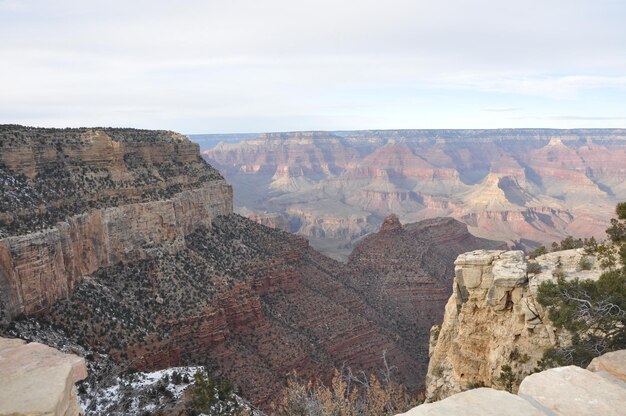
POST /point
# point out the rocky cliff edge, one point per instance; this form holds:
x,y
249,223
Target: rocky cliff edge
x,y
493,318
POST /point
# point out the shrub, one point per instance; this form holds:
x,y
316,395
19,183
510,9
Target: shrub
x,y
584,263
607,255
507,378
594,312
590,245
534,268
539,251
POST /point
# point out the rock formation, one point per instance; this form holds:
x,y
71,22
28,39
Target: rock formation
x,y
123,242
493,318
74,201
38,380
404,271
567,391
522,186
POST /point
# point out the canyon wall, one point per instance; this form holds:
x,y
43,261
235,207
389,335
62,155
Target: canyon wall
x,y
493,318
38,268
523,186
83,199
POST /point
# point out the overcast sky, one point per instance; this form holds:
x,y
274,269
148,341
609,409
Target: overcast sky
x,y
218,66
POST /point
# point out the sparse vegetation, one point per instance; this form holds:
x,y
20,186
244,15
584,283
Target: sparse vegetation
x,y
209,397
568,243
533,267
347,395
594,312
584,263
506,378
539,251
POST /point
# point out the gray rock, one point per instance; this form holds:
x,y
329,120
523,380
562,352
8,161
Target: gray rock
x,y
477,258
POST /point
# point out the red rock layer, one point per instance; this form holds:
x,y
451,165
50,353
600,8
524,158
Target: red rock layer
x,y
526,186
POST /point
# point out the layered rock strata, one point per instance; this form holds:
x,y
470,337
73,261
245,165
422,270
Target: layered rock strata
x,y
38,380
404,272
493,318
85,199
523,186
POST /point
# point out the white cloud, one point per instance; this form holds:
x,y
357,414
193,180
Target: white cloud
x,y
238,64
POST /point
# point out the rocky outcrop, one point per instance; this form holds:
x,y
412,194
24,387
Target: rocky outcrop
x,y
38,380
493,318
567,391
612,364
404,271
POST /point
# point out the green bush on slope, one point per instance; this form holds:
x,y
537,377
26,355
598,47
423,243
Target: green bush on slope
x,y
594,312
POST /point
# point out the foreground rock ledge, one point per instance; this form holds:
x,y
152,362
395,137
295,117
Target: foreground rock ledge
x,y
566,391
478,402
38,380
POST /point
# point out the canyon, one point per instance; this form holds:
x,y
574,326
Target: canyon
x,y
526,187
123,244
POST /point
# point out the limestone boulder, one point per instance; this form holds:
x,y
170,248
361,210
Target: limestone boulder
x,y
38,380
574,391
612,363
477,402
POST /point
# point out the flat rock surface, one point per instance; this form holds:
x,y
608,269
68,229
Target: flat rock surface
x,y
573,391
477,257
37,379
510,269
477,402
613,363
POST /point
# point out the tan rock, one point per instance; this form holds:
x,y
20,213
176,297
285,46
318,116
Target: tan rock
x,y
484,326
477,402
613,363
477,258
470,277
509,270
573,391
38,380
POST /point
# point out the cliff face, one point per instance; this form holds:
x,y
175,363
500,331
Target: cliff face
x,y
251,302
86,199
493,319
